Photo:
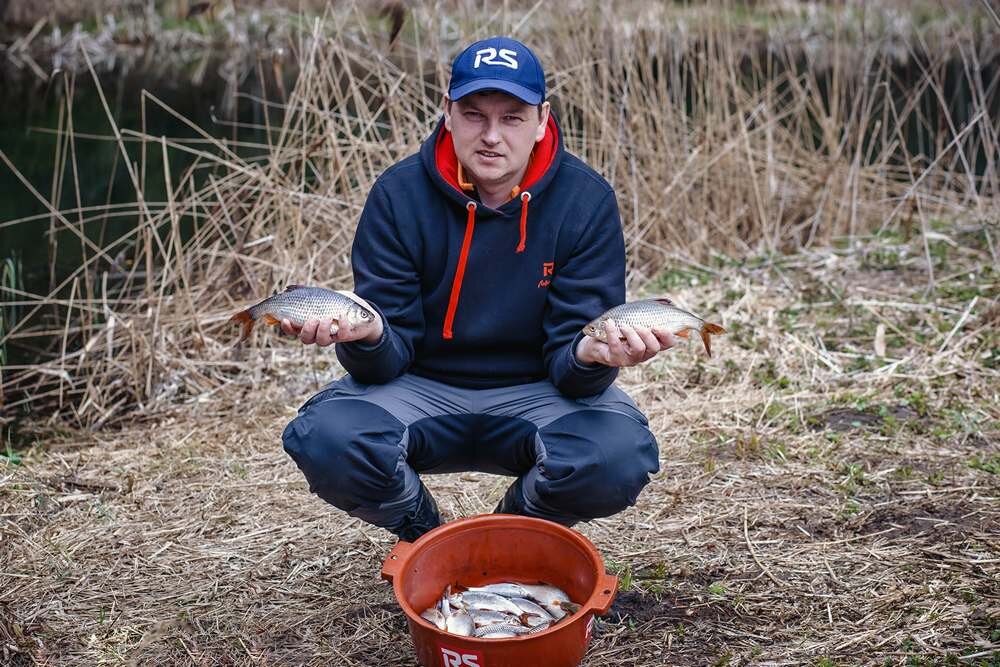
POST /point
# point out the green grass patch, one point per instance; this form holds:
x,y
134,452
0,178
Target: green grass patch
x,y
986,464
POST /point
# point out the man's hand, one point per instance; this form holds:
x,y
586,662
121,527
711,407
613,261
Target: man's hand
x,y
640,345
327,332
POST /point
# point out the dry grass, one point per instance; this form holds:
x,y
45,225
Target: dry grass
x,y
829,485
816,500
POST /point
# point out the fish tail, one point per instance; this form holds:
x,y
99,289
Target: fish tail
x,y
246,320
707,330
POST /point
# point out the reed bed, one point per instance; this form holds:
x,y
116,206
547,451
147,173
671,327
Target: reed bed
x,y
719,142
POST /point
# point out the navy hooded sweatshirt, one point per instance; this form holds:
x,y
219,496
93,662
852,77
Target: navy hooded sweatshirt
x,y
480,297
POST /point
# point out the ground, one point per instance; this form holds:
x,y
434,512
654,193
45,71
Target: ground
x,y
828,494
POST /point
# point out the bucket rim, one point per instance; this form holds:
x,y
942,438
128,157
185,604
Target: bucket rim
x,y
398,558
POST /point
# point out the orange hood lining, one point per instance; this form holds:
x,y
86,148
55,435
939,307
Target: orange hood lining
x,y
542,157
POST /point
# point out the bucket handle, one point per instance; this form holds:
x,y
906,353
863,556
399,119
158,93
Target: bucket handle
x,y
606,589
394,560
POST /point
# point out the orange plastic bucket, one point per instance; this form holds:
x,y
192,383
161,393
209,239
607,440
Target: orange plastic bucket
x,y
492,548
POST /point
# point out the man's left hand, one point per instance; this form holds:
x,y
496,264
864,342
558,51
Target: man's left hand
x,y
640,344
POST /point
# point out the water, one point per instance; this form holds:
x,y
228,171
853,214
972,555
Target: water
x,y
30,114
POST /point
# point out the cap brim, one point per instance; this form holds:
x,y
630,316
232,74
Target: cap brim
x,y
520,92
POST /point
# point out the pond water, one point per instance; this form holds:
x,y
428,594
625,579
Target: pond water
x,y
31,115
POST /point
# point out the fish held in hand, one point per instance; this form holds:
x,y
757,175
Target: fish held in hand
x,y
300,303
655,314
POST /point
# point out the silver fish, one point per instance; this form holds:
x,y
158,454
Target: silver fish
x,y
460,623
299,304
549,597
541,626
501,630
488,617
484,601
506,589
445,607
533,614
433,615
655,313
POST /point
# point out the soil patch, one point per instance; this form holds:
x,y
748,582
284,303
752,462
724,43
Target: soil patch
x,y
849,419
640,608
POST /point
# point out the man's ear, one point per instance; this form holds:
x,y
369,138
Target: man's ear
x,y
446,108
543,122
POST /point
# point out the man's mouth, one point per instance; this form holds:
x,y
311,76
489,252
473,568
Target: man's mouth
x,y
489,154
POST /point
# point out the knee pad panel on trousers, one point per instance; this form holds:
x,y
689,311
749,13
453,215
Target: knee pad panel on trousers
x,y
595,463
350,451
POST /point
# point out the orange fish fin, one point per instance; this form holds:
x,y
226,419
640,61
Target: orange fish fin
x,y
683,333
292,288
665,301
243,317
271,319
706,330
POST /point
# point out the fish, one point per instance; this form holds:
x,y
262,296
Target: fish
x,y
531,611
488,617
500,610
549,597
659,313
433,615
541,626
300,303
445,607
460,623
484,601
506,589
498,630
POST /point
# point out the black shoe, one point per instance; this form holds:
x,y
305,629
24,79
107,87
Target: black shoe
x,y
424,518
513,500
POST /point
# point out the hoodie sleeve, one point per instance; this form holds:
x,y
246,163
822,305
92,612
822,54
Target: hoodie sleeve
x,y
590,282
385,276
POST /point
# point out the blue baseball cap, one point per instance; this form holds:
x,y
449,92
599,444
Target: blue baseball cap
x,y
498,63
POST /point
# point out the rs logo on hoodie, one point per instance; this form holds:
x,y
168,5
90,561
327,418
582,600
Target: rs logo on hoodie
x,y
548,268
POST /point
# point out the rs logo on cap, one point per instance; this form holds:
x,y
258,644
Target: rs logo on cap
x,y
489,56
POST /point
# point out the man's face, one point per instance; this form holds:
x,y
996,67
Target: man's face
x,y
493,135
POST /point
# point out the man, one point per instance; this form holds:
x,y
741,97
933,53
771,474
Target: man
x,y
484,256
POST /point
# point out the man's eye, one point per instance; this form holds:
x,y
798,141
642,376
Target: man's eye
x,y
473,115
512,119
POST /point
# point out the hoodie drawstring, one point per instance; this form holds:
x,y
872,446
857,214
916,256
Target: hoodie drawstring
x,y
525,198
456,285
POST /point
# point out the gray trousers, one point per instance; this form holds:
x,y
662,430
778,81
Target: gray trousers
x,y
362,447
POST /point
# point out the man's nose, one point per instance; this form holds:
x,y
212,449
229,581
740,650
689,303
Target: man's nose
x,y
491,133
